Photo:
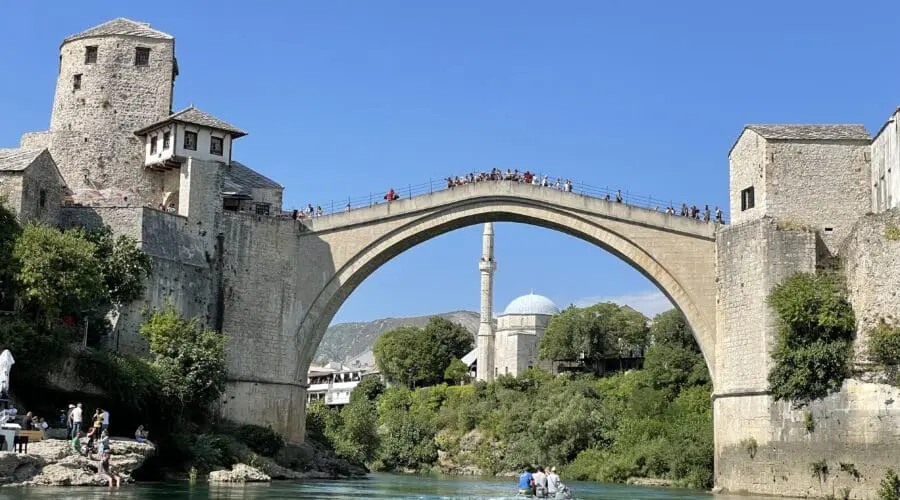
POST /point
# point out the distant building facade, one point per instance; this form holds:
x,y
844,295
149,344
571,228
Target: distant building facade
x,y
332,384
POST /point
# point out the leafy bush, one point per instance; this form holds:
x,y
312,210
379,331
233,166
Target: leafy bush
x,y
884,344
816,325
262,440
890,486
36,348
130,380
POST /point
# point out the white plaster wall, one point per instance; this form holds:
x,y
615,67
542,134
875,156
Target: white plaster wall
x,y
203,140
885,179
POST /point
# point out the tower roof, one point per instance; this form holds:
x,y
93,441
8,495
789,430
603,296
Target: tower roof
x,y
18,159
852,132
532,304
194,116
122,26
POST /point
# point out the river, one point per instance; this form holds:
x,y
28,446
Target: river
x,y
373,486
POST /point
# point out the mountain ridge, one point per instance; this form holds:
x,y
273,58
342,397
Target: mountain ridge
x,y
344,342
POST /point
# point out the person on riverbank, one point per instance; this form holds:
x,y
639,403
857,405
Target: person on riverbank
x,y
106,470
526,483
540,483
76,444
104,442
76,419
105,424
140,435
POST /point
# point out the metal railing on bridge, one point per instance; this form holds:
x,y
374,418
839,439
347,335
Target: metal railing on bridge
x,y
434,186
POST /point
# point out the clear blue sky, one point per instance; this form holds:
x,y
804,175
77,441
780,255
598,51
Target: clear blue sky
x,y
350,97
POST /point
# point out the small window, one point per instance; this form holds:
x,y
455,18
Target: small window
x,y
90,54
153,145
231,204
141,56
42,199
747,201
190,140
76,82
829,229
215,146
167,136
262,209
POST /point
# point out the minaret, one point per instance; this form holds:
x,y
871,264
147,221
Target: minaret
x,y
485,340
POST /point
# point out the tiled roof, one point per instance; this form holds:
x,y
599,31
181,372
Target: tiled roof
x,y
122,26
812,132
240,179
194,116
18,159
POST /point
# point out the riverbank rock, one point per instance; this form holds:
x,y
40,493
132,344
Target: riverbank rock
x,y
51,463
239,473
651,482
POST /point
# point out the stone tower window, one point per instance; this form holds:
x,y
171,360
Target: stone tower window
x,y
747,199
167,136
262,209
90,54
141,56
215,146
76,82
153,145
190,140
42,199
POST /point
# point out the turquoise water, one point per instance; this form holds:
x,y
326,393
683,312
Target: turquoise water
x,y
376,486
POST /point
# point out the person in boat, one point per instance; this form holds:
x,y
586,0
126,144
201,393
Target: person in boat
x,y
555,488
526,483
540,483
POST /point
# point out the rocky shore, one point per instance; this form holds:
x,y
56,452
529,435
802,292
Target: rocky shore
x,y
51,463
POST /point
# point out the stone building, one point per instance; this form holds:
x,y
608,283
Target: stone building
x,y
116,155
510,347
886,165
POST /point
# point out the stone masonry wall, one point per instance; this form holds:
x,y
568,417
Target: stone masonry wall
x,y
182,269
264,276
42,190
747,162
819,185
751,258
763,446
93,139
871,264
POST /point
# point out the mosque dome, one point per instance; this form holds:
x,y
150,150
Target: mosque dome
x,y
532,304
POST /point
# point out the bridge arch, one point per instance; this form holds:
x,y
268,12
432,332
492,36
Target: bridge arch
x,y
340,251
501,209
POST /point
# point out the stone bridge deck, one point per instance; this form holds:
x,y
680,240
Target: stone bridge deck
x,y
504,191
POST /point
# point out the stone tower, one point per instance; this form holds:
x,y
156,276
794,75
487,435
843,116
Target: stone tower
x,y
113,79
485,340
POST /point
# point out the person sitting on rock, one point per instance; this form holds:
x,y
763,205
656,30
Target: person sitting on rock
x,y
140,435
104,443
106,469
76,444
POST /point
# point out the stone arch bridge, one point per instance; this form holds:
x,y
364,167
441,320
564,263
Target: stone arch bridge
x,y
301,273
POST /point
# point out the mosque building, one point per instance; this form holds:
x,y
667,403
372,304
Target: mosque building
x,y
508,346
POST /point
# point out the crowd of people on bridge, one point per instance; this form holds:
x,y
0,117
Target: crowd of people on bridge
x,y
527,177
512,175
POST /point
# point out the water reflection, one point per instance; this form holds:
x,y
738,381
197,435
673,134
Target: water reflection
x,y
377,486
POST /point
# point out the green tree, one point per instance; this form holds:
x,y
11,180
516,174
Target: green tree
x,y
670,327
598,332
123,265
369,388
9,267
816,326
408,356
457,372
36,349
673,367
190,360
58,271
357,438
454,340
